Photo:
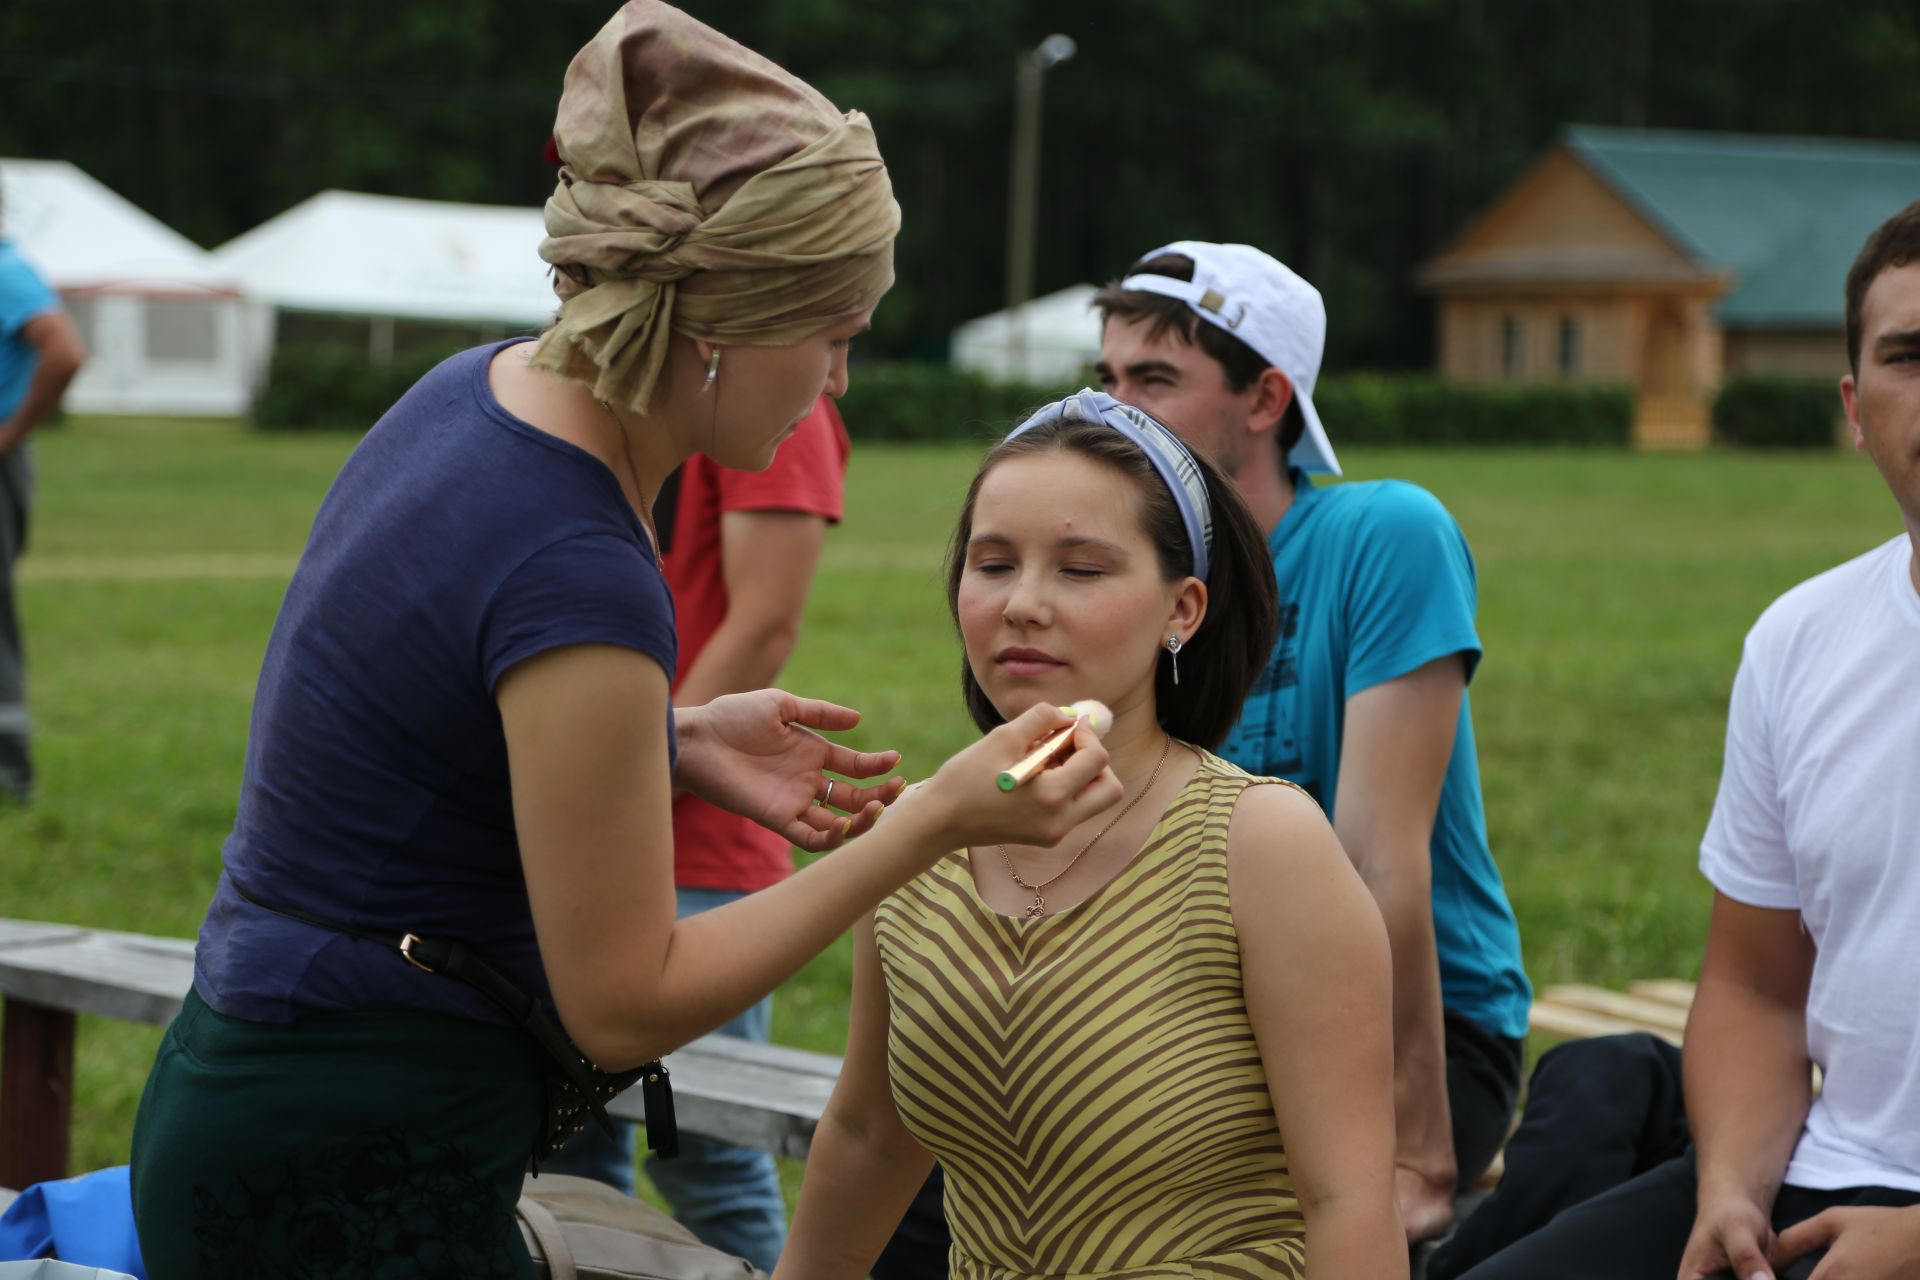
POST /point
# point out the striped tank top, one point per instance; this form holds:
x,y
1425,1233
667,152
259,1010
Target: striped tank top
x,y
1090,1079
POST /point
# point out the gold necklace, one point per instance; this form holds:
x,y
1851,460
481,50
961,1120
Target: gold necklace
x,y
1038,907
626,456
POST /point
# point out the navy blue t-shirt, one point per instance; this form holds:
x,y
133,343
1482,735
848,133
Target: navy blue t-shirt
x,y
456,542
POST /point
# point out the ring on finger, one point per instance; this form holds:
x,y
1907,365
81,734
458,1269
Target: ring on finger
x,y
828,798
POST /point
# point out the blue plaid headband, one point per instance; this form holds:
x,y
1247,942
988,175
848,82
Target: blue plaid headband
x,y
1163,449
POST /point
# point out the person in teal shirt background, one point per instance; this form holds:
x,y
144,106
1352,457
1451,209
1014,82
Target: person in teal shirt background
x,y
1377,582
1365,701
40,351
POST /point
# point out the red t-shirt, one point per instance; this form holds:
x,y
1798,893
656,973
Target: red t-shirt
x,y
714,849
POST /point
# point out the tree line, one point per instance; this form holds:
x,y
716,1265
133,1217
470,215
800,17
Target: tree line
x,y
1349,137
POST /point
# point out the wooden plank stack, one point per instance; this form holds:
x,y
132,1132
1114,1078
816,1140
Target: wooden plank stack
x,y
1575,1009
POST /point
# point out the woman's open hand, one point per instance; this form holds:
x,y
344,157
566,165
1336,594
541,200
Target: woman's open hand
x,y
758,755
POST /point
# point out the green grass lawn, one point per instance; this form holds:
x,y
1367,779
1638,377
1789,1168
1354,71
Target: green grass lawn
x,y
1615,589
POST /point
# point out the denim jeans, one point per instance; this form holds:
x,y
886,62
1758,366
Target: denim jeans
x,y
727,1195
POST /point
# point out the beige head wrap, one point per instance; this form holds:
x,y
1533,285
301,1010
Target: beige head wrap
x,y
706,191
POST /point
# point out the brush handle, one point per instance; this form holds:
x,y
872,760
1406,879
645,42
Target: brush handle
x,y
1036,760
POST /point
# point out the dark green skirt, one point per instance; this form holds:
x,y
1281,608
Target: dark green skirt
x,y
382,1145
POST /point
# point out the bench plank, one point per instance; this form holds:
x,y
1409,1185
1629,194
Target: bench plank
x,y
1672,991
765,1096
803,1062
720,1093
115,975
1571,1023
1652,1015
15,932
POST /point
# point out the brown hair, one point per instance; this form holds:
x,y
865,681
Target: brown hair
x,y
1239,362
1894,243
1235,638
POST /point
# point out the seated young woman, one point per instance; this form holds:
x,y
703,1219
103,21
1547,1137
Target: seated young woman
x,y
1162,1047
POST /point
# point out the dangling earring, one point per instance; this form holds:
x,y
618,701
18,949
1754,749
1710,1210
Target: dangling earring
x,y
713,371
1173,651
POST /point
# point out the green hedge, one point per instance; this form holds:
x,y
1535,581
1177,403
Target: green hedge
x,y
323,386
1420,409
338,386
312,387
889,400
326,386
929,402
1762,412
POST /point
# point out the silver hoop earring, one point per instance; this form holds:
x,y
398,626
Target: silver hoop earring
x,y
1173,651
713,371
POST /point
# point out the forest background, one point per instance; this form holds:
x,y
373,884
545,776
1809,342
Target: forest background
x,y
1349,137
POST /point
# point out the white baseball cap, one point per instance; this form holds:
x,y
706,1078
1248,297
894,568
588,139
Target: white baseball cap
x,y
1253,296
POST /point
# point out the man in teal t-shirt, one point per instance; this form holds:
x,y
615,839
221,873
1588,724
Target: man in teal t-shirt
x,y
1364,702
39,353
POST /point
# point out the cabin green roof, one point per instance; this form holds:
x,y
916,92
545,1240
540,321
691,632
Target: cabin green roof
x,y
1785,215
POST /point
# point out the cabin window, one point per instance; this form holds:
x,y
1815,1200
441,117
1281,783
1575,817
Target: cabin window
x,y
1569,347
1511,353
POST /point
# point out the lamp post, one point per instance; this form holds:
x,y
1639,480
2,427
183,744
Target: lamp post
x,y
1023,187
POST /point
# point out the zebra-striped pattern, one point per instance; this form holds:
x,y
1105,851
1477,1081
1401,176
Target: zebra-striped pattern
x,y
1089,1079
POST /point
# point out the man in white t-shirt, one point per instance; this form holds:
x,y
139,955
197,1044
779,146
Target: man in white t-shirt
x,y
1813,953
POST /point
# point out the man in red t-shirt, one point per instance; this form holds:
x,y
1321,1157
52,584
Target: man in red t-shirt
x,y
739,549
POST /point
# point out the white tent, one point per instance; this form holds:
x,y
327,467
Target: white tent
x,y
1050,339
163,325
384,258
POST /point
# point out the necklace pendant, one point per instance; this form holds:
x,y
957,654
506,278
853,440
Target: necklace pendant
x,y
1036,908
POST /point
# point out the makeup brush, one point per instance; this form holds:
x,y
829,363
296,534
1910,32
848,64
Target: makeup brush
x,y
1093,712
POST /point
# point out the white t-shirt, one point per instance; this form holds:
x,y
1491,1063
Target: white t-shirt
x,y
1819,812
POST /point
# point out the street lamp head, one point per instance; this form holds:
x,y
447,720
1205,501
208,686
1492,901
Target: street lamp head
x,y
1054,50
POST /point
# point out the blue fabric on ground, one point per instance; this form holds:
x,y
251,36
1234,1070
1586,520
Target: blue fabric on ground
x,y
86,1220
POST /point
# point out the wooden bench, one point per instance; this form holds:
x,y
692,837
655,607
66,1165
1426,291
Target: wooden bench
x,y
763,1096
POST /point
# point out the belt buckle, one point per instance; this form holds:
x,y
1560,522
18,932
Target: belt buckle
x,y
407,945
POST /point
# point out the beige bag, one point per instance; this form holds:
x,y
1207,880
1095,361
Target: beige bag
x,y
579,1229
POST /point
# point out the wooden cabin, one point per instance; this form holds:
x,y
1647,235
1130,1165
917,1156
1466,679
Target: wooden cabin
x,y
1668,261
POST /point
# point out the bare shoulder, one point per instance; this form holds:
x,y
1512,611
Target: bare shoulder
x,y
1277,821
1284,863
